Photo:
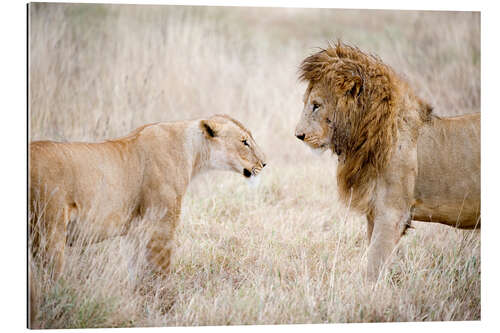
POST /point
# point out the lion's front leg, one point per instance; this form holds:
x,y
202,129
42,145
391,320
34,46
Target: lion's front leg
x,y
391,209
386,235
369,226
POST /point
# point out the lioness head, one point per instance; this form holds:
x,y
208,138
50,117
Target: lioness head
x,y
232,146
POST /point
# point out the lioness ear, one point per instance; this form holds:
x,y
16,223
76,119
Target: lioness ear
x,y
208,129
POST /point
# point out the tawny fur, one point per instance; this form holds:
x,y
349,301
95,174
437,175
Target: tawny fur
x,y
388,143
94,191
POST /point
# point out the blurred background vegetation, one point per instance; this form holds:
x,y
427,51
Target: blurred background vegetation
x,y
101,70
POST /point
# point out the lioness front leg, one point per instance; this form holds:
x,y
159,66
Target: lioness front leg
x,y
160,247
161,242
387,231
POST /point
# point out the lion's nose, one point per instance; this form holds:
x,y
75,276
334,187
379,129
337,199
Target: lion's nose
x,y
300,136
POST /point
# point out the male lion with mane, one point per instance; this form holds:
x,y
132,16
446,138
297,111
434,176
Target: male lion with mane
x,y
398,161
99,190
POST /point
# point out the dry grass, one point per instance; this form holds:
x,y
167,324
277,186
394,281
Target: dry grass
x,y
286,251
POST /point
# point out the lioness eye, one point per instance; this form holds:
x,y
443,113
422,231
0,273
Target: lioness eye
x,y
316,106
245,142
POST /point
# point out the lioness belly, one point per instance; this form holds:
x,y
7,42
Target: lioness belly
x,y
87,227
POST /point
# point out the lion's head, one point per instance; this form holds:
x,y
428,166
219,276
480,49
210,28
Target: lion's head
x,y
232,146
355,105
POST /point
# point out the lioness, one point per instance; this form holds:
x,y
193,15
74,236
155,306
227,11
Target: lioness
x,y
397,160
99,189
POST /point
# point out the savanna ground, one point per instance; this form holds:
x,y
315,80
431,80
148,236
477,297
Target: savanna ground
x,y
285,251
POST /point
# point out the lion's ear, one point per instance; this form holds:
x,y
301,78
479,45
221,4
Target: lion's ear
x,y
208,128
356,86
348,80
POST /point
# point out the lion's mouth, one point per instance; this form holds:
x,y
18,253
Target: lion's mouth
x,y
316,145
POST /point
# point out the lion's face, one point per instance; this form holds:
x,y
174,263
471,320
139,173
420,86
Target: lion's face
x,y
314,125
232,147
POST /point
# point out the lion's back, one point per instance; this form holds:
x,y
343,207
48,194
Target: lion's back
x,y
456,169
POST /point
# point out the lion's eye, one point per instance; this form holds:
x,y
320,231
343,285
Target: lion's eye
x,y
245,142
316,106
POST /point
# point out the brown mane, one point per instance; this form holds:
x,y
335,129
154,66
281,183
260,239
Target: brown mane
x,y
372,105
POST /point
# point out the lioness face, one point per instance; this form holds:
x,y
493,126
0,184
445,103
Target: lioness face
x,y
232,147
314,125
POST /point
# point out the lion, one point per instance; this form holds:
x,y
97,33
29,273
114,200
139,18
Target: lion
x,y
397,160
99,190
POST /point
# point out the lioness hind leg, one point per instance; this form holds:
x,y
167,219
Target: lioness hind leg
x,y
48,234
33,291
47,241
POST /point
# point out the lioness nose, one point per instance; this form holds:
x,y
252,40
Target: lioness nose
x,y
300,136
